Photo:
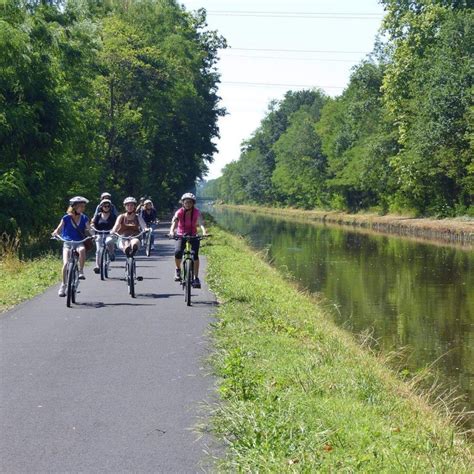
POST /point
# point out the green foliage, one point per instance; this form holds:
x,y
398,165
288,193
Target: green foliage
x,y
400,137
102,95
300,169
358,141
21,280
428,93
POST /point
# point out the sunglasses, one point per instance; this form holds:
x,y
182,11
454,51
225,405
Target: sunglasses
x,y
106,205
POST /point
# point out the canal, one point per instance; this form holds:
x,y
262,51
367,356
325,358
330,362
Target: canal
x,y
409,295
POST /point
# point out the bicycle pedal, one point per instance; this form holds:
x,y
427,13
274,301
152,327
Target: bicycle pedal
x,y
140,278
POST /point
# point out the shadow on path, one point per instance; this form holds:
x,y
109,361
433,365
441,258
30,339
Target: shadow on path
x,y
157,296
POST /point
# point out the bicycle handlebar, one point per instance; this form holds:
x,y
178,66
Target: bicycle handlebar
x,y
189,237
132,236
58,237
100,231
155,222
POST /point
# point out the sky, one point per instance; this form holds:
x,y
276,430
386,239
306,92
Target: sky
x,y
281,45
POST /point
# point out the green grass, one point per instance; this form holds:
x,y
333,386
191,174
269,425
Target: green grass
x,y
21,280
300,395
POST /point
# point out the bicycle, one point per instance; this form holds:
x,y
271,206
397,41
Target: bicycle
x,y
131,267
72,269
148,238
104,255
187,264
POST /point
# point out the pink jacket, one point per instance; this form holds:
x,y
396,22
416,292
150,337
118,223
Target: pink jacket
x,y
187,222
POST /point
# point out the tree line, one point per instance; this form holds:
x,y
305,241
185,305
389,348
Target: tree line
x,y
399,138
98,95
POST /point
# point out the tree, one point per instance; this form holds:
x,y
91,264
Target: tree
x,y
358,142
428,92
300,171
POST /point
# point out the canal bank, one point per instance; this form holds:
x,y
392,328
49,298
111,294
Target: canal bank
x,y
457,231
300,394
413,298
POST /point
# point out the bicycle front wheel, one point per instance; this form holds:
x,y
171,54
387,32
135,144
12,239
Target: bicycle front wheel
x,y
70,284
106,263
75,285
187,281
148,244
102,264
131,276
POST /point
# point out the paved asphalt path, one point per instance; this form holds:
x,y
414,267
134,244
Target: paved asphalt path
x,y
113,384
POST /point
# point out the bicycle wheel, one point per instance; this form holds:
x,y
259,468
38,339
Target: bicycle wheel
x,y
187,281
75,284
70,283
148,244
107,263
102,263
131,276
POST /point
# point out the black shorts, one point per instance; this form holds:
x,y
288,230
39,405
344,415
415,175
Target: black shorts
x,y
179,248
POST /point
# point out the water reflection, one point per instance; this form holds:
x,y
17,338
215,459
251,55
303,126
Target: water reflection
x,y
411,294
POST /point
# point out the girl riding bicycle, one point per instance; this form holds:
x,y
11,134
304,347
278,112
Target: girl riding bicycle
x,y
74,226
129,224
104,220
186,220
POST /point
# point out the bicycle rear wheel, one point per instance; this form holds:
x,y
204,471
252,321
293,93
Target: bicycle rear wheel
x,y
187,281
70,284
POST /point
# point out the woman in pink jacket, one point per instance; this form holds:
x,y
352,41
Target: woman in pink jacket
x,y
186,222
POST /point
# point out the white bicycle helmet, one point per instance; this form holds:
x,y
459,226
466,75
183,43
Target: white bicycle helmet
x,y
78,200
105,201
129,199
188,196
105,196
148,201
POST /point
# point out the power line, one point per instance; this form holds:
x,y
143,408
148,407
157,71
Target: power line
x,y
307,15
296,12
248,56
297,51
269,84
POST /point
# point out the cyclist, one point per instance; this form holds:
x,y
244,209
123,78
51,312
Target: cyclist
x,y
104,220
74,225
186,220
113,209
129,224
141,204
148,214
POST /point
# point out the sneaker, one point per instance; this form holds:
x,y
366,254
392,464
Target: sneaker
x,y
62,290
177,275
81,276
196,283
96,270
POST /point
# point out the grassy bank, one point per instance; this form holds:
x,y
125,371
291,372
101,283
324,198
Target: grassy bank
x,y
446,230
20,280
300,395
